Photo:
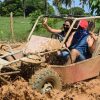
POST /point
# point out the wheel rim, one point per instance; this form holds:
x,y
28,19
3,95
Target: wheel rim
x,y
46,88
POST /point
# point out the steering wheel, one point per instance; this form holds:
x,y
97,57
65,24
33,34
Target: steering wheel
x,y
57,36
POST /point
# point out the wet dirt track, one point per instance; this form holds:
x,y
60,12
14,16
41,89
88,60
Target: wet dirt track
x,y
21,90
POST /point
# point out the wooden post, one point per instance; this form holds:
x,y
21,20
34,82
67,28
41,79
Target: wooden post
x,y
11,26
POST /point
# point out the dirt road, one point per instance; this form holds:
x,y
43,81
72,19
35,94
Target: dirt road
x,y
20,90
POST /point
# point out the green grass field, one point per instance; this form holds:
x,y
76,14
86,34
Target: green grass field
x,y
22,28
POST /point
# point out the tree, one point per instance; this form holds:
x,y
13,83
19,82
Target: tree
x,y
94,5
58,4
20,7
24,7
67,3
11,6
63,10
77,11
32,6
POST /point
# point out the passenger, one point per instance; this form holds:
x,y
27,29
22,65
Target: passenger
x,y
62,31
80,43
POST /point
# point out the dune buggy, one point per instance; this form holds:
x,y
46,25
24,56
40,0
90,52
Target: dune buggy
x,y
38,63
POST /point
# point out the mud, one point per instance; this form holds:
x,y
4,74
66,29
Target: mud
x,y
21,90
43,44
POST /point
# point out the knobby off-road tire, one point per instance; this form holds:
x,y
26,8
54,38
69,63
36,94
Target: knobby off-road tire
x,y
45,76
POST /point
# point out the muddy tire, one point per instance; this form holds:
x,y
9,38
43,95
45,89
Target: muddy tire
x,y
45,77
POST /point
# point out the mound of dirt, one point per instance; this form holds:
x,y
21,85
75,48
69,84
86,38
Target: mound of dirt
x,y
20,90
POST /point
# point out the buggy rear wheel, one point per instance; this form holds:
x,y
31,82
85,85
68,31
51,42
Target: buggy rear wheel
x,y
45,80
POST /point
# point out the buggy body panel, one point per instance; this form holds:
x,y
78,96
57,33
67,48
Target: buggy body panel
x,y
79,71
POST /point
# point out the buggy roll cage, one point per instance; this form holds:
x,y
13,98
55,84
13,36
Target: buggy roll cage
x,y
75,18
62,43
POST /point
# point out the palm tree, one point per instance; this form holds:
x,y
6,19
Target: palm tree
x,y
65,2
94,5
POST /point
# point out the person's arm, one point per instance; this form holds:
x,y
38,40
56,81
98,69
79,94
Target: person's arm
x,y
68,43
93,36
91,43
49,28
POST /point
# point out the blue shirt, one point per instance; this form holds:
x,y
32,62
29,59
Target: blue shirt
x,y
79,42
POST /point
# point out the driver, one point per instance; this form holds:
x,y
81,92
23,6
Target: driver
x,y
62,32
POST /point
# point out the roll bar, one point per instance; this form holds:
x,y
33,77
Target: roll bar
x,y
77,19
65,17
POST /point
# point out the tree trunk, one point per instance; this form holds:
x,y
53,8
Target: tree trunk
x,y
24,7
46,7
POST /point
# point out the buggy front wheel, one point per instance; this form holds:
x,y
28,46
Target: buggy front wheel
x,y
45,80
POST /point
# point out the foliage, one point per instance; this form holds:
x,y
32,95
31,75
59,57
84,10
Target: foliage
x,y
63,10
22,28
76,11
50,10
95,6
18,7
11,6
67,3
52,22
33,6
35,15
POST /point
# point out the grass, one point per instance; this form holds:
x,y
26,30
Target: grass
x,y
22,28
56,24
